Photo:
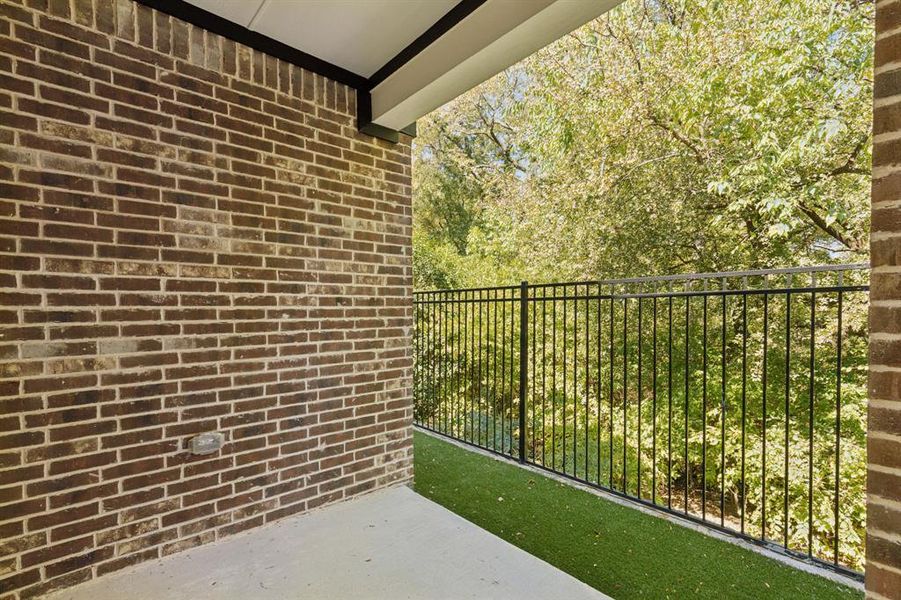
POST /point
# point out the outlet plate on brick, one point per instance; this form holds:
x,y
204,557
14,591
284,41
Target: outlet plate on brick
x,y
207,443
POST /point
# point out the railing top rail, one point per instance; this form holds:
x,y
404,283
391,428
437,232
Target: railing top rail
x,y
682,277
478,289
733,274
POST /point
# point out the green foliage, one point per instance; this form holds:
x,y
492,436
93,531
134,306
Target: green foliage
x,y
435,263
667,136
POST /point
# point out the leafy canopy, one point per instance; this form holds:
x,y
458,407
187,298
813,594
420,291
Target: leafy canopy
x,y
666,136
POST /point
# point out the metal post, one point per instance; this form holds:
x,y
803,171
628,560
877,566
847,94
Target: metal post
x,y
523,364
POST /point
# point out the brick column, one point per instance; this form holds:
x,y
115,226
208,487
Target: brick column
x,y
883,578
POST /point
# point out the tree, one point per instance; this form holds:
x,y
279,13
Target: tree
x,y
667,136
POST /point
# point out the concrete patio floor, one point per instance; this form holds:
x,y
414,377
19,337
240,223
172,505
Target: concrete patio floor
x,y
391,544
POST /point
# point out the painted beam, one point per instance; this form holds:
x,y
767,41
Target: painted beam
x,y
494,36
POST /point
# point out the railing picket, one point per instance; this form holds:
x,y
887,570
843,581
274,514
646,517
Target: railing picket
x,y
513,334
704,410
442,314
723,411
523,364
639,385
534,308
504,373
479,375
838,424
813,313
563,415
766,315
744,388
598,386
685,473
474,380
442,379
669,412
493,398
625,388
467,360
417,351
788,314
575,381
587,393
435,341
610,394
458,369
554,381
654,407
543,379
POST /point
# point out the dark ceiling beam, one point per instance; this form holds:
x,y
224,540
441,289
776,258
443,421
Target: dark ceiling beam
x,y
460,11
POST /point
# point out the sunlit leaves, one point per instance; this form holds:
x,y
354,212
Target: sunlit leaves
x,y
668,135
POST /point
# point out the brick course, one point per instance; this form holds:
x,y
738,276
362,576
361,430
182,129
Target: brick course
x,y
193,237
883,576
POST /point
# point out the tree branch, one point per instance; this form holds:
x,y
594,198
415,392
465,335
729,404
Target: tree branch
x,y
684,140
853,244
492,135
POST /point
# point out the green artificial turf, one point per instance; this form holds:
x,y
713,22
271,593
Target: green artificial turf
x,y
618,550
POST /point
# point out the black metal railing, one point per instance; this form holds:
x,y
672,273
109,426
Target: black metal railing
x,y
736,400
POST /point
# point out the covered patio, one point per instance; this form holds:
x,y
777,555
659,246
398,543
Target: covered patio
x,y
206,334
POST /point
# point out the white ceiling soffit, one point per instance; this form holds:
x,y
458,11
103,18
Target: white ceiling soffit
x,y
496,35
357,35
414,55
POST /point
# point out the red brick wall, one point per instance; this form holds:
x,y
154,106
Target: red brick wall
x,y
884,436
193,238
